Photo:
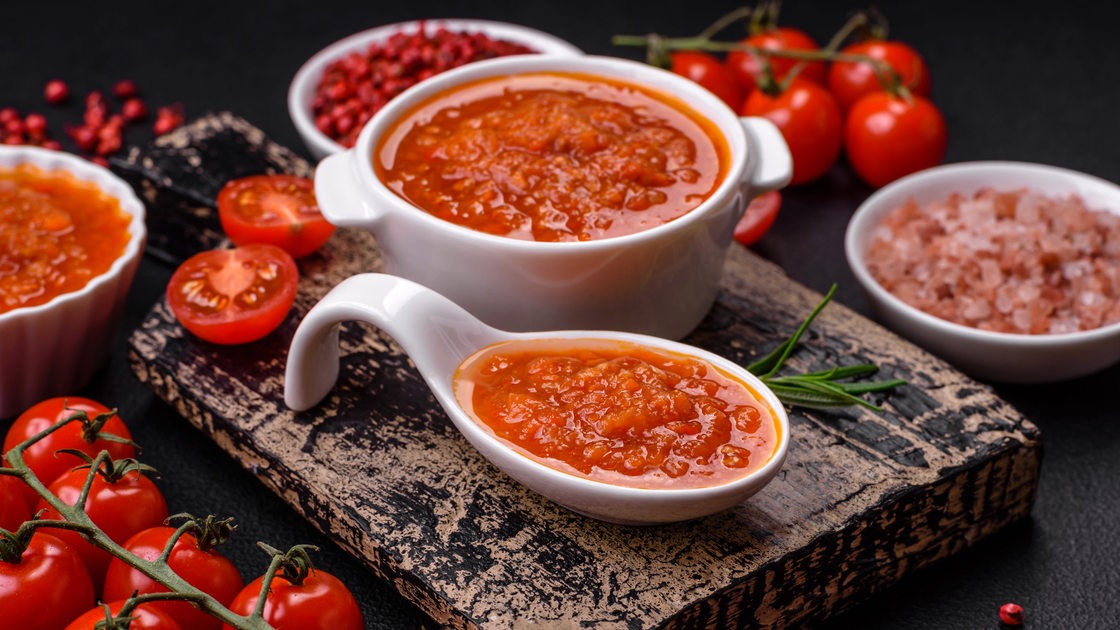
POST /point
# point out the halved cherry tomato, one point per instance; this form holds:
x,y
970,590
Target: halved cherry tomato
x,y
708,71
45,588
207,570
758,217
119,508
810,121
277,209
749,68
40,456
235,295
321,602
144,617
889,136
850,81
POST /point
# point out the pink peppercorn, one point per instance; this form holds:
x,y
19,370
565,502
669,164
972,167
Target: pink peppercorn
x,y
56,92
1011,614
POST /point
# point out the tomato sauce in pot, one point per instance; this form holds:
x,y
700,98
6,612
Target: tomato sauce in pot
x,y
553,157
56,234
619,412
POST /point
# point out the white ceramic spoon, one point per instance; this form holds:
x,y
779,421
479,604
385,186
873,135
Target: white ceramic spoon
x,y
438,336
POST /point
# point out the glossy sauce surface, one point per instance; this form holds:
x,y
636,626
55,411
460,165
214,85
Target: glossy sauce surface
x,y
553,157
618,412
56,233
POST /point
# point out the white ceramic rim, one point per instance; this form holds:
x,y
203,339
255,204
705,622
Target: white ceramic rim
x,y
302,88
628,493
866,217
703,103
109,183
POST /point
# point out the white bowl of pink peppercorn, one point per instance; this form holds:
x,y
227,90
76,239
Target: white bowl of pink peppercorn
x,y
339,88
1008,270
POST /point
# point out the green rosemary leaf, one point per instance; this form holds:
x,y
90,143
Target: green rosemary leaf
x,y
799,397
844,371
821,389
771,363
871,386
827,389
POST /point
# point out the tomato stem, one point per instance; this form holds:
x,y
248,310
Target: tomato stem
x,y
658,47
727,20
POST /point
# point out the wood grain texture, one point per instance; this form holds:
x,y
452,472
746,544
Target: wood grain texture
x,y
863,500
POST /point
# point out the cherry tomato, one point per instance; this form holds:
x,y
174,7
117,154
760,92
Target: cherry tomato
x,y
144,617
758,217
40,457
810,121
209,571
321,602
13,502
46,588
276,209
890,136
235,295
749,68
849,81
120,509
708,71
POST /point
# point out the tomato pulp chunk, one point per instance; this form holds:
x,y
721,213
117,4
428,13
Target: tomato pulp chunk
x,y
619,412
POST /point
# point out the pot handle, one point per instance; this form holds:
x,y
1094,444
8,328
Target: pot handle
x,y
338,191
769,163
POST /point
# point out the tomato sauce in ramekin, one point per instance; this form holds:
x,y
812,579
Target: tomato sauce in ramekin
x,y
56,234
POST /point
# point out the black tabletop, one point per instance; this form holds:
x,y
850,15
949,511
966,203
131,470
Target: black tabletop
x,y
1032,81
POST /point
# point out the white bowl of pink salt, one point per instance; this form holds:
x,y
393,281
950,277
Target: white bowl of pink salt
x,y
1010,271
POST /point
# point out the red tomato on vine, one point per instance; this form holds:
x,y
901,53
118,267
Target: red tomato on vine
x,y
13,502
44,585
850,81
201,565
319,602
144,617
81,436
810,121
709,72
889,136
121,502
749,68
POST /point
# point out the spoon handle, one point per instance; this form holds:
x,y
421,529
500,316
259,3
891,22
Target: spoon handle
x,y
436,333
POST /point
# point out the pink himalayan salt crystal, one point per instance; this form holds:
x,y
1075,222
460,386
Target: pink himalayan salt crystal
x,y
1012,261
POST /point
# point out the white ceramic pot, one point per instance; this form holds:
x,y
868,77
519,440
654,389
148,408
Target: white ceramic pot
x,y
661,281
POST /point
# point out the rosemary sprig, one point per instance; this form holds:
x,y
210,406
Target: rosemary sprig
x,y
825,389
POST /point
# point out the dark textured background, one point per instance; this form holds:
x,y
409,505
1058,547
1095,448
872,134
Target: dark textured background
x,y
1034,81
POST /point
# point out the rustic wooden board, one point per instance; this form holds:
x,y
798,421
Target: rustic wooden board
x,y
863,500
